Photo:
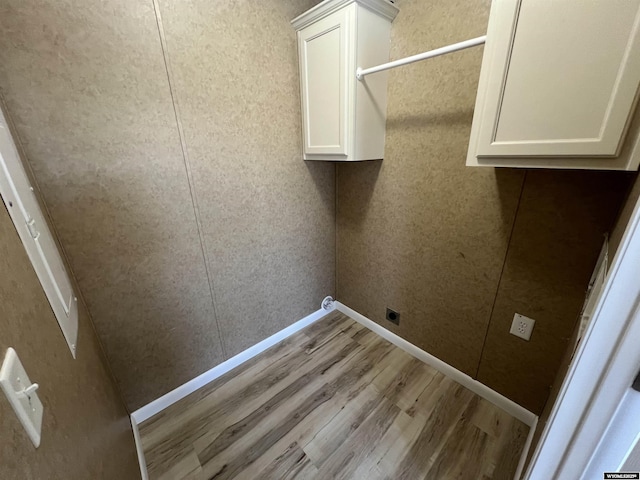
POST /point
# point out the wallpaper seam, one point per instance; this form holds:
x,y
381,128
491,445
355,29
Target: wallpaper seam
x,y
504,262
335,233
187,166
24,158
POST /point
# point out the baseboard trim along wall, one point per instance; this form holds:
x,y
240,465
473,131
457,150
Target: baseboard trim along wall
x,y
512,408
156,406
141,460
509,406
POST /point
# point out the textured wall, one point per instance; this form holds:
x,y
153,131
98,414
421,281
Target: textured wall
x,y
615,238
268,218
420,232
557,236
86,431
441,242
170,160
88,89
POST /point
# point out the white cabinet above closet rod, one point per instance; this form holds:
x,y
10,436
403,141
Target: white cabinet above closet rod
x,y
558,86
343,119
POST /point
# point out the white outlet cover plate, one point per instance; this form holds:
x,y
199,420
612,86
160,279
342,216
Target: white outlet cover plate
x,y
13,379
522,326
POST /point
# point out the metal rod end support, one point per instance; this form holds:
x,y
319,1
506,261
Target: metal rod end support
x,y
359,74
327,303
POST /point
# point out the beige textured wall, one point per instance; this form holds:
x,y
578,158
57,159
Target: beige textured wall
x,y
557,236
86,431
457,250
195,230
624,215
268,217
87,87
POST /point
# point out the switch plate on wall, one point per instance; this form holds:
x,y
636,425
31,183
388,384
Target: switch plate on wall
x,y
522,326
22,395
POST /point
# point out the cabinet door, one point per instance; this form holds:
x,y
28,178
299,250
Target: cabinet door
x,y
559,78
323,73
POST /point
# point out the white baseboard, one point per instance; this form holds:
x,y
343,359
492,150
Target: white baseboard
x,y
191,386
525,450
480,389
141,460
149,410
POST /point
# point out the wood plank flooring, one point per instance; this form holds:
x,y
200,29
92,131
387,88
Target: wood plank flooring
x,y
334,401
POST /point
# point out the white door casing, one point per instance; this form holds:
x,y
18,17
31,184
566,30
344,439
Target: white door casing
x,y
25,212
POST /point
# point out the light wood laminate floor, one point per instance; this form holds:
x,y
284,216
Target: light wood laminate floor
x,y
334,401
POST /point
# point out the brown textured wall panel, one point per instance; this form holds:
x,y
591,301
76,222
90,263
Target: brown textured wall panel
x,y
86,86
425,235
86,431
420,232
268,217
555,244
614,242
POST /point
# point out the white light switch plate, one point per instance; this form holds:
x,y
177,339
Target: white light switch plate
x,y
28,408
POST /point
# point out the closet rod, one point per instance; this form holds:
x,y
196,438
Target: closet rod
x,y
360,73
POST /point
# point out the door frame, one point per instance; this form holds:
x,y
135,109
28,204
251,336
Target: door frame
x,y
604,367
29,219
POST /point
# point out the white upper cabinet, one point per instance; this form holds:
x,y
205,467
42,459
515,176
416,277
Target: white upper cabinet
x,y
343,119
559,85
324,69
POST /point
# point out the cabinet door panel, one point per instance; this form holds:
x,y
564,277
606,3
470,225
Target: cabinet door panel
x,y
563,78
323,72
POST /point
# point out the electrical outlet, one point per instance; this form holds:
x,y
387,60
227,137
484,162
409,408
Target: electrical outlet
x,y
393,317
522,326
